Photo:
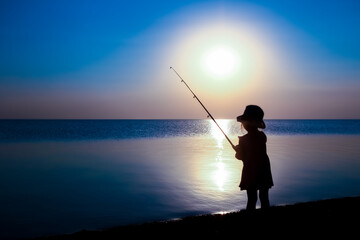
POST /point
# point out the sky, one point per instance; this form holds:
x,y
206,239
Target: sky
x,y
105,59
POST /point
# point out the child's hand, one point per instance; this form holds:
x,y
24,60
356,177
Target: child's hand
x,y
237,154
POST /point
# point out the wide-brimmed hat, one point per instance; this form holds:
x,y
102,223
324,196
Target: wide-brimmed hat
x,y
254,114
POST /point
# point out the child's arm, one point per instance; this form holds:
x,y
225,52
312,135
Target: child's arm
x,y
237,154
238,149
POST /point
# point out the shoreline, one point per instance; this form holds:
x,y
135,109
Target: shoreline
x,y
323,218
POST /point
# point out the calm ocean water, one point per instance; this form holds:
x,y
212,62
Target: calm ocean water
x,y
18,130
61,176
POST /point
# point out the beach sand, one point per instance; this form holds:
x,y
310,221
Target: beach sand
x,y
325,218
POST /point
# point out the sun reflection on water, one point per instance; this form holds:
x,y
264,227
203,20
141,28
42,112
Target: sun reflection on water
x,y
220,175
217,134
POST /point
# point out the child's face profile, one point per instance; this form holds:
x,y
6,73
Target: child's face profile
x,y
248,125
245,125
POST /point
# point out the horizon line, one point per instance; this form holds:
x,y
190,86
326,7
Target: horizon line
x,y
119,119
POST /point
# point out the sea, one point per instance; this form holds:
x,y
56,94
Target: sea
x,y
62,176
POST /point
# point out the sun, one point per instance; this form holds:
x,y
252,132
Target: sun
x,y
220,61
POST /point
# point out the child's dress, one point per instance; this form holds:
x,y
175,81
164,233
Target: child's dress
x,y
256,173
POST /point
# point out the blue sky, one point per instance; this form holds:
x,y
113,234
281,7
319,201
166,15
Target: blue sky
x,y
98,59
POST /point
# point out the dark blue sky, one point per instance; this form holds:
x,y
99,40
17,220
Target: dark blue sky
x,y
41,40
49,37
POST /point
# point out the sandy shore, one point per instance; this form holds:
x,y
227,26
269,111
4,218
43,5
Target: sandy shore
x,y
325,218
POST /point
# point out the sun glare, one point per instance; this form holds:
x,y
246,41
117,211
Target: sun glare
x,y
220,61
221,57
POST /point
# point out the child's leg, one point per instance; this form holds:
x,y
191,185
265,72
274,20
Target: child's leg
x,y
252,198
264,198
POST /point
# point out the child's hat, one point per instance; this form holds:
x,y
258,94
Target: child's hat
x,y
254,114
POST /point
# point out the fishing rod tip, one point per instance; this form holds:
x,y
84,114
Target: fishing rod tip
x,y
170,67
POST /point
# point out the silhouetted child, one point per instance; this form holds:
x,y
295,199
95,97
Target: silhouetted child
x,y
256,173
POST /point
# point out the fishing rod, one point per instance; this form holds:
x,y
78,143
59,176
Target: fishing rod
x,y
209,114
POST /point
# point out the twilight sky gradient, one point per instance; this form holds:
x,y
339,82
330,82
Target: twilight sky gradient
x,y
110,59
